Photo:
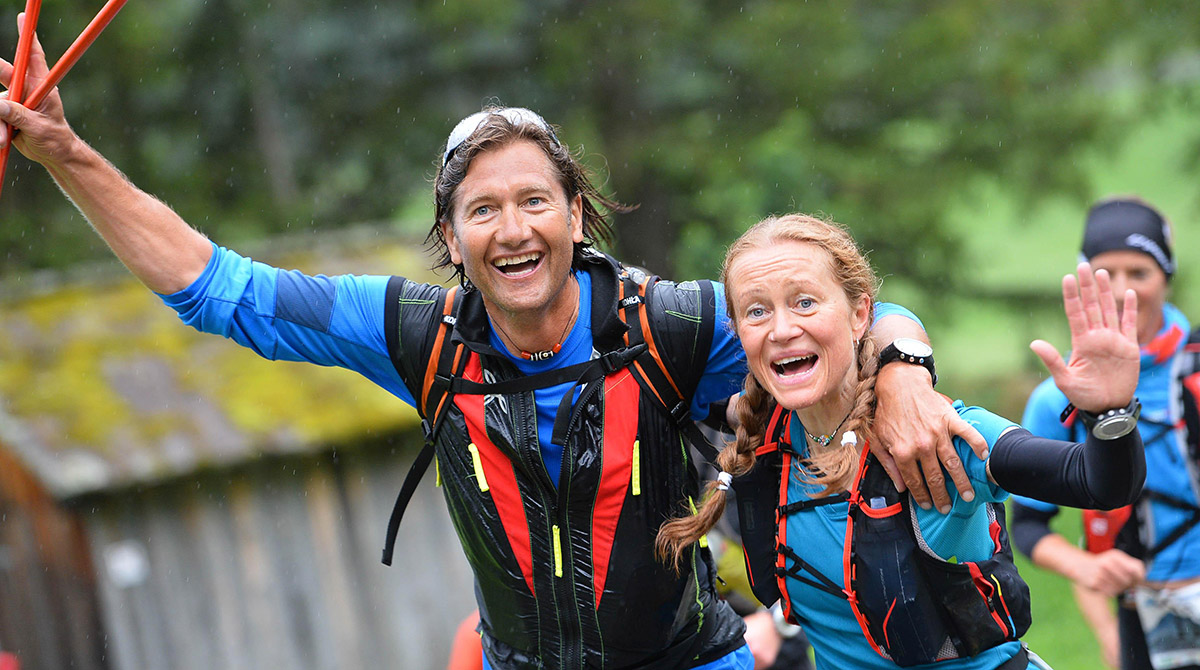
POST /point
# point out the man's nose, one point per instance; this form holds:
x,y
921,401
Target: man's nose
x,y
512,226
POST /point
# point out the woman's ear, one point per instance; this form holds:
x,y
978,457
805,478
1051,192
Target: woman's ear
x,y
861,318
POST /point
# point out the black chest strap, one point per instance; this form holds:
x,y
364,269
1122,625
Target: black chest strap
x,y
444,379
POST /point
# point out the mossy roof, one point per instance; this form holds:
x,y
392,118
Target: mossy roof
x,y
102,386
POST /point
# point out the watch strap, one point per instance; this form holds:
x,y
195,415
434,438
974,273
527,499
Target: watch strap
x,y
892,354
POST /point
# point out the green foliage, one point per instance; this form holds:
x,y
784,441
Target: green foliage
x,y
254,118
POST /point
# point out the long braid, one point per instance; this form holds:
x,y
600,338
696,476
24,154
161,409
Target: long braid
x,y
737,458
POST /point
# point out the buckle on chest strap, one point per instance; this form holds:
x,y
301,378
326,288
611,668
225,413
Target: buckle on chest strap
x,y
681,413
815,502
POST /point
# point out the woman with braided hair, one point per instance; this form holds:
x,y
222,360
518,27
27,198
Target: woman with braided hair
x,y
875,581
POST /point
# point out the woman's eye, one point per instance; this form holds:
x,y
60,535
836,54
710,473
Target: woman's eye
x,y
756,312
806,303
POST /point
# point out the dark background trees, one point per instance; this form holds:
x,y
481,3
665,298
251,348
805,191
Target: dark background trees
x,y
256,118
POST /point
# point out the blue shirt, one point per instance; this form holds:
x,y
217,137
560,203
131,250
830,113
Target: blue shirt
x,y
1167,466
338,321
818,536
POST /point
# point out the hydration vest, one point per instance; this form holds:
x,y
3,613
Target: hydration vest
x,y
444,377
560,568
913,606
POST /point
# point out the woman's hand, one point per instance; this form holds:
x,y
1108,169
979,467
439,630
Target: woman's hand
x,y
1103,370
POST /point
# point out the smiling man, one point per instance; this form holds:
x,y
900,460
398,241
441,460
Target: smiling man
x,y
557,420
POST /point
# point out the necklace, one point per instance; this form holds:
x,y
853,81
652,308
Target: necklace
x,y
544,354
824,440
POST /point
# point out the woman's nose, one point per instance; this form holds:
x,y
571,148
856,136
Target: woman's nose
x,y
785,325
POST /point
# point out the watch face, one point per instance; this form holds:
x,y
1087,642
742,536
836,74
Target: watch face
x,y
1112,428
911,347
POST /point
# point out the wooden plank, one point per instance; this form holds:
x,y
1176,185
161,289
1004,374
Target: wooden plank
x,y
156,648
429,588
217,550
340,618
19,618
270,649
293,552
120,628
365,539
179,582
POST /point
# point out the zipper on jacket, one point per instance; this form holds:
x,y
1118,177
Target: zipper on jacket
x,y
572,647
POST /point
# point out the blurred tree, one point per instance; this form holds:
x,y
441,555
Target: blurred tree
x,y
253,118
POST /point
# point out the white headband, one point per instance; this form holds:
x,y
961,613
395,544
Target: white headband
x,y
515,115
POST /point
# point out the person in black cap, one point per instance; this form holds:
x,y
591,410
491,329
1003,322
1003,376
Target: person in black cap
x,y
1152,561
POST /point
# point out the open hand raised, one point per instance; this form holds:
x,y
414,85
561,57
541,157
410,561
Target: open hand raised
x,y
1103,370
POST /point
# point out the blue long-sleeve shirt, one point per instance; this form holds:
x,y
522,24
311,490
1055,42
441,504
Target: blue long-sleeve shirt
x,y
339,321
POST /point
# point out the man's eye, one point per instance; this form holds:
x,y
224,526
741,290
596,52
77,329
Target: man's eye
x,y
482,210
535,201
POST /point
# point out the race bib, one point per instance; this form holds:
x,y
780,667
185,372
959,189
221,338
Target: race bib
x,y
1171,621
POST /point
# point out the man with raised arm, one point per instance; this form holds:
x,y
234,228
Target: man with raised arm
x,y
559,444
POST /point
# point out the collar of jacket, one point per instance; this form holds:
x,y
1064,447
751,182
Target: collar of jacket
x,y
471,327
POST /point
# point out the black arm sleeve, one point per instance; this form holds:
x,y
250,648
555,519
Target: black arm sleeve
x,y
1097,474
1027,526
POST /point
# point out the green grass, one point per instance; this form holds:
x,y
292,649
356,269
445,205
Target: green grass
x,y
1059,634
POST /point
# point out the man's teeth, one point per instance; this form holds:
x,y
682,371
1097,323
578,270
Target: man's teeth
x,y
517,260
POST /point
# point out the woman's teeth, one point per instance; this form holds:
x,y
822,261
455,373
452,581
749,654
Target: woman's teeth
x,y
794,365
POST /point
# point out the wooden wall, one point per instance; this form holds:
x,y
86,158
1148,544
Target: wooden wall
x,y
48,609
277,566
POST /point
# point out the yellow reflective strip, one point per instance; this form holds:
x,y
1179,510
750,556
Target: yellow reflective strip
x,y
637,468
557,553
437,472
703,538
480,478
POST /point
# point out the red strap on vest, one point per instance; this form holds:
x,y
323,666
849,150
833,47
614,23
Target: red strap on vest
x,y
1100,528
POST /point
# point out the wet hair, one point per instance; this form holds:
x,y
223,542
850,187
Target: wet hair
x,y
835,467
499,127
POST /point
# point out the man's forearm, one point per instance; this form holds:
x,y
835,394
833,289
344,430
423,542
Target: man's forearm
x,y
886,330
159,247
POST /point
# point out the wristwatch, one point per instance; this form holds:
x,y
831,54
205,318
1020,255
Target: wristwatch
x,y
1113,423
908,350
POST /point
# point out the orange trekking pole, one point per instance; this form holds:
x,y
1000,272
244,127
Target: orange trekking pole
x,y
68,60
16,87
